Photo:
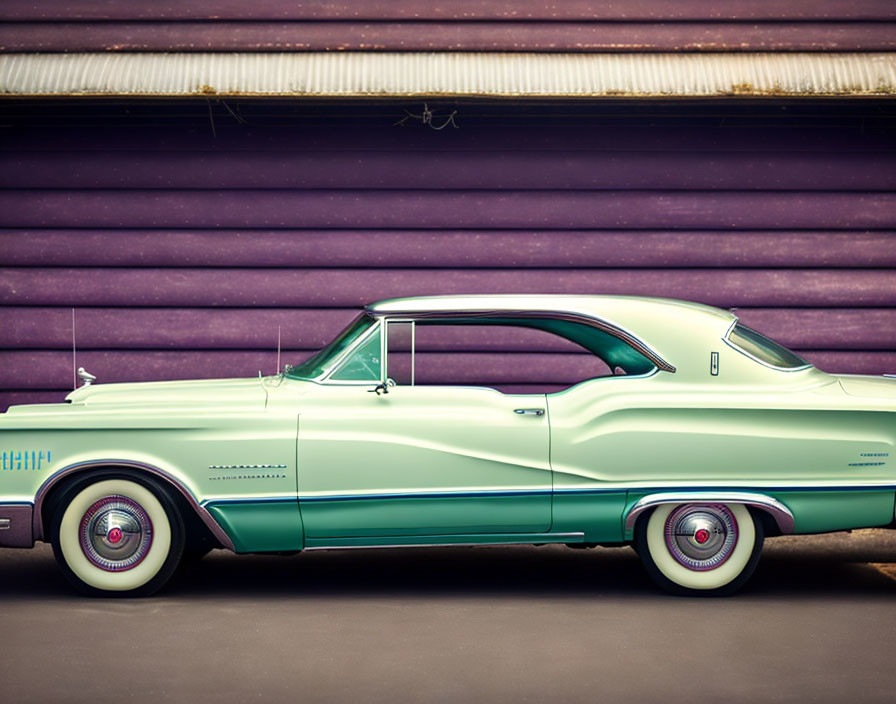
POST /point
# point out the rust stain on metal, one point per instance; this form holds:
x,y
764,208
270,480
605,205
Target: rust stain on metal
x,y
743,89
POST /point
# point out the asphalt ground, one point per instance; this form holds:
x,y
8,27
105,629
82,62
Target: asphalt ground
x,y
817,623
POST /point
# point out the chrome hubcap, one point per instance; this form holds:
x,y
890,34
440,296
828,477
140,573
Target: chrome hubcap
x,y
701,537
115,533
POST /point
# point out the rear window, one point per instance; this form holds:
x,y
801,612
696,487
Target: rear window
x,y
766,351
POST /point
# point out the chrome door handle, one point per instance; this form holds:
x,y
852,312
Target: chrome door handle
x,y
529,411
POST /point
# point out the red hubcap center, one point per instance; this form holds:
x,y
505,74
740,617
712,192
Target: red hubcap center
x,y
701,536
114,535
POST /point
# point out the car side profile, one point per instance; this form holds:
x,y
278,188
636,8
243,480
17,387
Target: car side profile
x,y
676,430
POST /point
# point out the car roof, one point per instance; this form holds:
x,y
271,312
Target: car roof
x,y
611,308
681,333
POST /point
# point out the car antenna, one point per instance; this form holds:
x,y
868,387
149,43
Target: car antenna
x,y
74,355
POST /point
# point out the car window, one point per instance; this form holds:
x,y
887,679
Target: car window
x,y
511,355
763,349
364,363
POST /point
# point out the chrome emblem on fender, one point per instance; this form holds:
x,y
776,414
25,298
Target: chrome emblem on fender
x,y
23,459
247,466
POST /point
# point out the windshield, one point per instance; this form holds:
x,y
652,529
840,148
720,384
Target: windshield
x,y
315,365
768,351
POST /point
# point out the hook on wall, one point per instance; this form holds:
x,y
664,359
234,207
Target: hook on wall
x,y
427,118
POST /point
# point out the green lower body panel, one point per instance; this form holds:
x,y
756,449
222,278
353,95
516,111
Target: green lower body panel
x,y
260,526
826,511
464,514
598,515
271,526
456,539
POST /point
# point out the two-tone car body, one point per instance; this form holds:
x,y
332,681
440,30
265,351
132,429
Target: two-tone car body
x,y
699,438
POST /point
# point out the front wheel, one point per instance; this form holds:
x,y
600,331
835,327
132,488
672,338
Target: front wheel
x,y
701,549
116,536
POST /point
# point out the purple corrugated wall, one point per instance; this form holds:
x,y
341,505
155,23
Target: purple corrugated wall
x,y
182,251
468,25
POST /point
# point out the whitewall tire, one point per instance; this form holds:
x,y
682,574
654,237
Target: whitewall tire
x,y
116,536
699,549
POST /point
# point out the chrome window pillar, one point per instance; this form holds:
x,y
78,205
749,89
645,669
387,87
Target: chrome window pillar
x,y
386,323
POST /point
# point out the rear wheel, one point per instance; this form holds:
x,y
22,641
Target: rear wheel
x,y
116,536
695,549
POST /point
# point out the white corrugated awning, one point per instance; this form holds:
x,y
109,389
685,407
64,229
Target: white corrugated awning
x,y
373,74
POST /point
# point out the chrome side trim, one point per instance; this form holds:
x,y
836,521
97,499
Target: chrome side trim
x,y
782,515
15,524
699,490
249,500
528,539
602,325
429,494
210,523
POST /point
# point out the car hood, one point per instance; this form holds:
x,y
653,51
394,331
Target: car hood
x,y
242,393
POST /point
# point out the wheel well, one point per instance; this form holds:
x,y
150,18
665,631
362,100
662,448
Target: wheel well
x,y
197,533
770,527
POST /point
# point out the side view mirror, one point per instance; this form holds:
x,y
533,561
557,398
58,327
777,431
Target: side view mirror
x,y
380,389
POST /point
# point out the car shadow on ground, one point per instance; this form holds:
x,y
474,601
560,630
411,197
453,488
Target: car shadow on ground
x,y
809,566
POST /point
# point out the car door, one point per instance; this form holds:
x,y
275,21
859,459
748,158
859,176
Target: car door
x,y
414,459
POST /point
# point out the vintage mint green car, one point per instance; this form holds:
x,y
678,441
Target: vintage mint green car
x,y
681,432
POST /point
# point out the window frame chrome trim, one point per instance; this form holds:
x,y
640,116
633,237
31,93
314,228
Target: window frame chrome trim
x,y
622,334
336,362
325,377
737,348
383,318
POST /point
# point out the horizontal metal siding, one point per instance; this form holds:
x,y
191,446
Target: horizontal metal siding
x,y
484,169
469,25
339,288
183,252
446,36
439,209
460,10
463,249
